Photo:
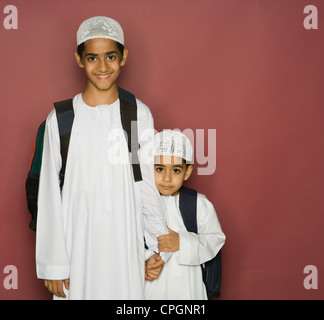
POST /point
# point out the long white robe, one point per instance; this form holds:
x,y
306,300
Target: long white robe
x,y
92,232
181,277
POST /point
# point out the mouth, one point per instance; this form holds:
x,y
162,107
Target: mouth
x,y
166,187
103,76
165,190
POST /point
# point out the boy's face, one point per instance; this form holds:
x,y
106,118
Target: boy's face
x,y
101,61
170,172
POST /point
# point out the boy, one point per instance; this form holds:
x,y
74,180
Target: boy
x,y
89,241
181,277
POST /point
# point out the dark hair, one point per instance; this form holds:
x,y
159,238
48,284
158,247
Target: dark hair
x,y
81,48
187,163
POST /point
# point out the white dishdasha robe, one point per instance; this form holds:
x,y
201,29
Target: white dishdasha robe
x,y
92,232
181,277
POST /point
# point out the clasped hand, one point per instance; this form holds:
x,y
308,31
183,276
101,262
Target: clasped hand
x,y
56,286
169,242
166,243
153,267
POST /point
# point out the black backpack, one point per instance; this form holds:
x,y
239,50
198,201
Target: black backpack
x,y
65,116
212,269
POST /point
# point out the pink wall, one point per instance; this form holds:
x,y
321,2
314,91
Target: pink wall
x,y
248,69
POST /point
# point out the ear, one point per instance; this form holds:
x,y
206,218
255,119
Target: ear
x,y
188,172
78,59
123,62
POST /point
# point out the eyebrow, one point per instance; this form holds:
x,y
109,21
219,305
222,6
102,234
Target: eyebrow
x,y
173,166
96,54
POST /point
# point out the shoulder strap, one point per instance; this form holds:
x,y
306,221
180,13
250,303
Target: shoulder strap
x,y
65,116
188,208
128,113
212,269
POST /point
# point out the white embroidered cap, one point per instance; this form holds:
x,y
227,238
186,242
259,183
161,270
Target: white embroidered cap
x,y
173,143
100,27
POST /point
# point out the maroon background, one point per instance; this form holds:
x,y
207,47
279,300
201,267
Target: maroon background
x,y
248,69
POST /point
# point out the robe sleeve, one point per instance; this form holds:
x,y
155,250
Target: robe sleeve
x,y
51,257
196,249
154,220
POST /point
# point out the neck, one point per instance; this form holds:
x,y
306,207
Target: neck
x,y
93,97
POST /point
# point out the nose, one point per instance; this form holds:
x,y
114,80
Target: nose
x,y
167,176
103,65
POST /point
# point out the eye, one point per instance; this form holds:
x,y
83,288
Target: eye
x,y
92,59
111,58
159,169
176,170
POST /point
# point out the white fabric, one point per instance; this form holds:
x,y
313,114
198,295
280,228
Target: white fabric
x,y
94,235
100,27
181,277
173,143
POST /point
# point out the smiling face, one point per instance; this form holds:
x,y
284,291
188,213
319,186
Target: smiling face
x,y
101,61
170,172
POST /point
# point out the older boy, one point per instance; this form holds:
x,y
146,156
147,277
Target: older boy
x,y
181,277
90,235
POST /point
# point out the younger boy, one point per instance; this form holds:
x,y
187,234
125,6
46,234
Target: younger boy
x,y
181,277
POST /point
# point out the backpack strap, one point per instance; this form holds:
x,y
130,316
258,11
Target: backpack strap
x,y
212,269
188,208
65,116
128,114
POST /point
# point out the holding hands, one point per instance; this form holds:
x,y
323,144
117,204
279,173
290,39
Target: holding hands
x,y
153,267
169,242
166,243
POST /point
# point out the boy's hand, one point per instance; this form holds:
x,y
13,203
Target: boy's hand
x,y
169,242
153,267
56,286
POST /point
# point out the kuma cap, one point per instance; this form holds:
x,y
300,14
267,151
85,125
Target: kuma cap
x,y
100,27
173,143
